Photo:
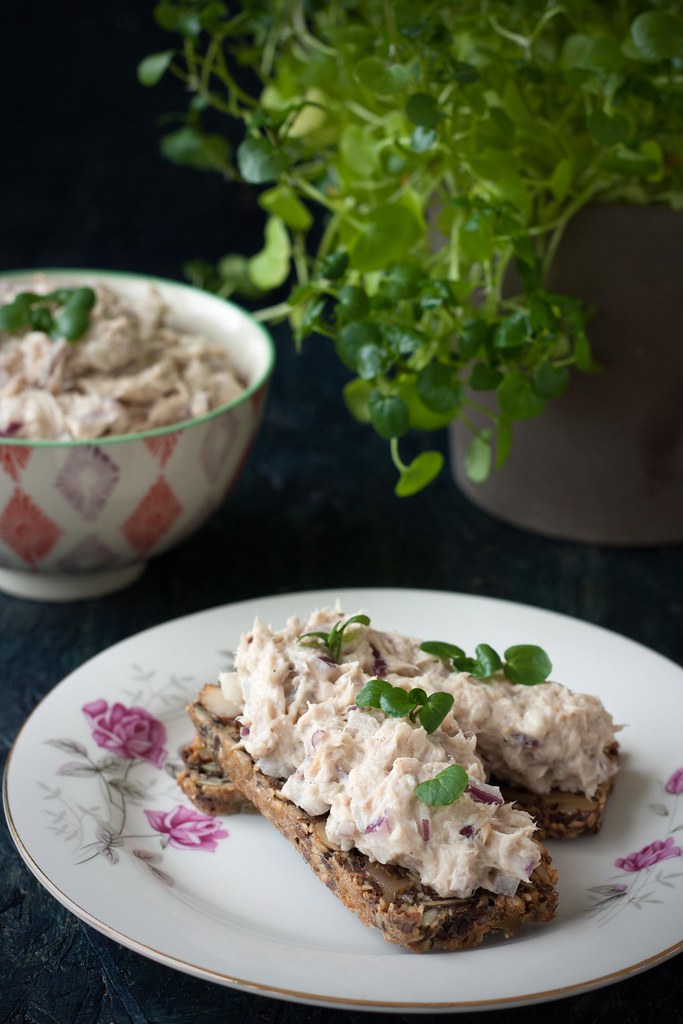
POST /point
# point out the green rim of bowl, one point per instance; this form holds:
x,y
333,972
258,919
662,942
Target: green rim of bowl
x,y
262,380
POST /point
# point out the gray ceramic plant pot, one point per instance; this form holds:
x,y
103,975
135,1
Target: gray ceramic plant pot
x,y
604,463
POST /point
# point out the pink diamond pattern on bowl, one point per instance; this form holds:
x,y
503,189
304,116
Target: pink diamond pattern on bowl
x,y
87,479
153,517
14,459
217,445
26,529
162,446
89,555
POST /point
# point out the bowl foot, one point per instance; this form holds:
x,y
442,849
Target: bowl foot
x,y
55,586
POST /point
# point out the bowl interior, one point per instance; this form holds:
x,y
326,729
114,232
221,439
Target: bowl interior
x,y
189,309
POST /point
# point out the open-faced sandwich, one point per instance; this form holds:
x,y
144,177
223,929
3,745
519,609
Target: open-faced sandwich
x,y
363,748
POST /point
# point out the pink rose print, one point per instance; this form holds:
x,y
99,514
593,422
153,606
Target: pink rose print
x,y
131,733
649,855
675,782
188,829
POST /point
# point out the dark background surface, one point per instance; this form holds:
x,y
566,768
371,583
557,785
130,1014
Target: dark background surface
x,y
83,185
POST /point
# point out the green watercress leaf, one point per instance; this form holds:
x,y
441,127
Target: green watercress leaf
x,y
423,110
389,415
370,694
479,457
270,267
434,710
382,76
550,381
387,234
190,147
527,664
607,129
259,161
424,468
152,68
62,313
657,35
394,701
445,788
334,640
524,664
517,397
439,387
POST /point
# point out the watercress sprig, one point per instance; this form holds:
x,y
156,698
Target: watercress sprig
x,y
397,703
525,664
333,640
62,313
445,788
416,166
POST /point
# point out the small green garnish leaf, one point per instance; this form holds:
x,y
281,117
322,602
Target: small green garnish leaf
x,y
524,664
445,788
395,702
334,640
371,694
527,664
62,313
434,710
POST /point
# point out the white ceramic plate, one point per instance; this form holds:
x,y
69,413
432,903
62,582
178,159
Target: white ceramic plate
x,y
242,909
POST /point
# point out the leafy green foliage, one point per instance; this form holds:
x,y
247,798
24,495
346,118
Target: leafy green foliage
x,y
397,703
60,314
525,664
421,162
445,788
334,640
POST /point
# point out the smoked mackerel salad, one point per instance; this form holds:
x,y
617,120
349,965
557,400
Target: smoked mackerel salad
x,y
412,781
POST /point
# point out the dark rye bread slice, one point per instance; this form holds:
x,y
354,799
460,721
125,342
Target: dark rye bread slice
x,y
387,897
209,790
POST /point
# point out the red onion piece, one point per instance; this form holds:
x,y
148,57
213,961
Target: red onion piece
x,y
520,739
375,825
316,737
379,667
12,428
244,731
467,831
483,794
425,829
503,884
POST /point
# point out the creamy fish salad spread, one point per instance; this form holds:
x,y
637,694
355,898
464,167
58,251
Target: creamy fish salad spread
x,y
300,723
131,371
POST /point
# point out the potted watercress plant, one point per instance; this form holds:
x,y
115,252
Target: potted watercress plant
x,y
417,168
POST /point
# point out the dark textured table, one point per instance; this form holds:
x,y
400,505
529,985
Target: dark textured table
x,y
83,185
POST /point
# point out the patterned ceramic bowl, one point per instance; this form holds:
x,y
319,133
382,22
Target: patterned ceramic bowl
x,y
80,518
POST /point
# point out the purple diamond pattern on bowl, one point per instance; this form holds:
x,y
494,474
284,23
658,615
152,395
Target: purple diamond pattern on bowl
x,y
217,444
88,555
86,480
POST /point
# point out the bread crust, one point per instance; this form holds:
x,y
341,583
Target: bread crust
x,y
387,897
209,790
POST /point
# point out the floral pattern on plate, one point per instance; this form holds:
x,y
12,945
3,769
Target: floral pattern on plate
x,y
135,741
643,886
